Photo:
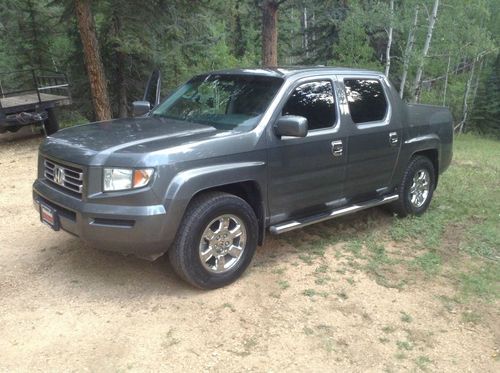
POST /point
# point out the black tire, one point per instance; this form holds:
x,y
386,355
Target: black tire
x,y
184,254
404,206
51,124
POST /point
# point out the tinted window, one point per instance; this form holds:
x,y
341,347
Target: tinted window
x,y
314,101
366,100
226,102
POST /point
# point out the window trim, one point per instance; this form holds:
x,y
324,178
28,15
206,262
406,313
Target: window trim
x,y
318,131
376,123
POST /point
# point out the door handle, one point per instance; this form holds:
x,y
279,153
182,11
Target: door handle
x,y
337,148
393,138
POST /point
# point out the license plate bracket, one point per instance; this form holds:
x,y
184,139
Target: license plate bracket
x,y
49,216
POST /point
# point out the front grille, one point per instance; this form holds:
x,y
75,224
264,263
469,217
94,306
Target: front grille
x,y
70,178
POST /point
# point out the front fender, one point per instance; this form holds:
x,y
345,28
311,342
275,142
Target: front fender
x,y
186,184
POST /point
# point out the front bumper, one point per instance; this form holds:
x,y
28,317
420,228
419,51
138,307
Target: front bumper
x,y
138,230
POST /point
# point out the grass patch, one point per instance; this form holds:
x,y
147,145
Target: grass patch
x,y
406,317
308,331
483,283
471,317
429,262
230,306
321,269
388,329
404,345
311,293
283,284
487,240
422,362
355,247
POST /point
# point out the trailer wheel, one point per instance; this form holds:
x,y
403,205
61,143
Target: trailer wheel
x,y
51,124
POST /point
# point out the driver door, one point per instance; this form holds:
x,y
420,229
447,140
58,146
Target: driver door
x,y
306,175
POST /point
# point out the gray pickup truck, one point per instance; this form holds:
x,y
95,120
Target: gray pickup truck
x,y
233,154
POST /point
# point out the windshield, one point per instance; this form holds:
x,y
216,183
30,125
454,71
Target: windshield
x,y
226,102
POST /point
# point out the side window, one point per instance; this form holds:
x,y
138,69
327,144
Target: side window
x,y
315,101
366,100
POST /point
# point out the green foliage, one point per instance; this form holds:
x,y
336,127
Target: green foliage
x,y
485,118
183,38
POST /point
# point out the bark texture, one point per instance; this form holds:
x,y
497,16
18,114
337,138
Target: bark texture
x,y
270,33
93,62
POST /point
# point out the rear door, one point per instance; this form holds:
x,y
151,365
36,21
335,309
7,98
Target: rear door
x,y
374,138
305,176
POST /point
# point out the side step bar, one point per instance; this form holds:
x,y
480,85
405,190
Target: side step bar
x,y
295,224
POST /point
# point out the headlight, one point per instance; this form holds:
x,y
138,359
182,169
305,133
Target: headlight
x,y
126,178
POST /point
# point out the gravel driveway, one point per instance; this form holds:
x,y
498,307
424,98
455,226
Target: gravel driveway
x,y
68,307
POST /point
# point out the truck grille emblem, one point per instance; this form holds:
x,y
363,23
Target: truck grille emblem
x,y
59,175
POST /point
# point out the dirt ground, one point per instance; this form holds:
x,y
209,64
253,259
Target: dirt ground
x,y
68,307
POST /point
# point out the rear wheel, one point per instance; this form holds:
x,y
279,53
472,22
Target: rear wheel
x,y
51,124
416,188
216,240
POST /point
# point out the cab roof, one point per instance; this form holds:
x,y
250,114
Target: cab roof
x,y
289,71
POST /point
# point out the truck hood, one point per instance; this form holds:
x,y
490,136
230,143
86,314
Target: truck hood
x,y
94,143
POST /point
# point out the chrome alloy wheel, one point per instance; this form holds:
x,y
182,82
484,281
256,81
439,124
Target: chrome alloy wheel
x,y
222,243
419,190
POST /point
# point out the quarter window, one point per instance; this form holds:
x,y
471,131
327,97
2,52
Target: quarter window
x,y
366,100
314,101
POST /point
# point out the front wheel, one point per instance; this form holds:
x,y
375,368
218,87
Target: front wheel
x,y
216,240
416,188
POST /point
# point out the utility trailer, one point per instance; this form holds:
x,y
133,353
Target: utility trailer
x,y
30,97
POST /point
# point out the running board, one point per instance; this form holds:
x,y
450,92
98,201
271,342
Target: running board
x,y
295,224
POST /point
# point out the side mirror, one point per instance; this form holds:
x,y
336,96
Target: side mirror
x,y
291,125
140,108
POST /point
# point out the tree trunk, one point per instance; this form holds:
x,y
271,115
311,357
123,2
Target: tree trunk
x,y
446,79
120,64
425,51
93,62
469,108
270,33
476,84
37,55
389,42
465,114
408,50
305,36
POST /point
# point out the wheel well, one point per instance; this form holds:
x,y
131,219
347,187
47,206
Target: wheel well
x,y
433,155
248,191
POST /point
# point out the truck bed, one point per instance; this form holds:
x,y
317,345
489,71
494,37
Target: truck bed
x,y
29,99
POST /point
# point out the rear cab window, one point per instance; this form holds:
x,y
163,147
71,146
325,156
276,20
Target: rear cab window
x,y
366,100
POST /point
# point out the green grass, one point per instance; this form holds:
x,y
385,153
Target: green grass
x,y
388,329
422,362
457,240
283,284
430,262
459,236
483,282
406,317
404,345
